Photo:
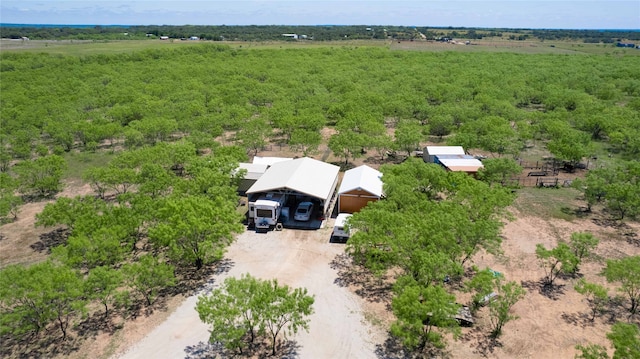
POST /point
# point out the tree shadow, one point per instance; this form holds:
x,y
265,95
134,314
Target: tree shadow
x,y
580,212
483,343
96,323
552,292
39,346
577,319
287,349
367,285
618,311
191,281
51,239
393,349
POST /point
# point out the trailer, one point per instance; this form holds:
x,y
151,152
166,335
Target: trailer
x,y
265,211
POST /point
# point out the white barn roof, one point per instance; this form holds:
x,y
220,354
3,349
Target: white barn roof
x,y
363,178
304,175
444,150
269,161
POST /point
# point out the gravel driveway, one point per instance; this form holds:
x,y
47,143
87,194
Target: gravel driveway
x,y
299,259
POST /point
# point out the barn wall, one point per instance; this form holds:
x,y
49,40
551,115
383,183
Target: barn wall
x,y
353,201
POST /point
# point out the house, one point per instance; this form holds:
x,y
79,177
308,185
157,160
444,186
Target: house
x,y
301,179
430,152
359,186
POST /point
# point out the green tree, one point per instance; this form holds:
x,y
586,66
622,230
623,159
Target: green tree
x,y
253,134
625,338
106,245
508,294
42,294
595,294
419,310
9,201
560,259
624,198
155,180
570,145
593,186
591,351
148,276
346,144
252,307
409,135
305,140
42,176
196,229
499,170
627,272
102,284
483,283
582,244
287,311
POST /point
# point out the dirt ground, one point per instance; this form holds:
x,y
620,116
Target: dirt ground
x,y
297,258
352,311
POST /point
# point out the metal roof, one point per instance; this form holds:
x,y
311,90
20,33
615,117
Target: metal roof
x,y
444,150
362,178
269,161
461,164
254,170
304,175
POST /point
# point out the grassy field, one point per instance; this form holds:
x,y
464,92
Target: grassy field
x,y
89,47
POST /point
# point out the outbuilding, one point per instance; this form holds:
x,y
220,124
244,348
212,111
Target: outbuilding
x,y
359,186
299,179
430,152
465,163
253,172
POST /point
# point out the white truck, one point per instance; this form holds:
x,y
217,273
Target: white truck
x,y
265,211
339,231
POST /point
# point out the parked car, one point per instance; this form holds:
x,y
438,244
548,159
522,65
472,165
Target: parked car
x,y
303,212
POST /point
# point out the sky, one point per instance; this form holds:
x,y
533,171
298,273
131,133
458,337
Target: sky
x,y
540,14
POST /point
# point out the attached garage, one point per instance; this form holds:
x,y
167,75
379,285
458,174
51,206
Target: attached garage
x,y
359,186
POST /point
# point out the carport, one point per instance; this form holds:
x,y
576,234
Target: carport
x,y
302,179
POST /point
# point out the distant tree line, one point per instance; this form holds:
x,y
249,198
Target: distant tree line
x,y
318,33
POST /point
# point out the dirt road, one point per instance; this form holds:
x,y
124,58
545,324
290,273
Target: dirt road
x,y
297,258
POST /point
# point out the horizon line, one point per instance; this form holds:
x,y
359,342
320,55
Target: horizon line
x,y
7,24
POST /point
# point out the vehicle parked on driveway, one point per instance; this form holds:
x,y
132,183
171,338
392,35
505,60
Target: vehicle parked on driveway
x,y
303,212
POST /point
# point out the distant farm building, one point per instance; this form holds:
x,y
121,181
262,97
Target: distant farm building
x,y
302,179
194,38
622,44
359,186
460,163
452,158
291,36
164,37
430,152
